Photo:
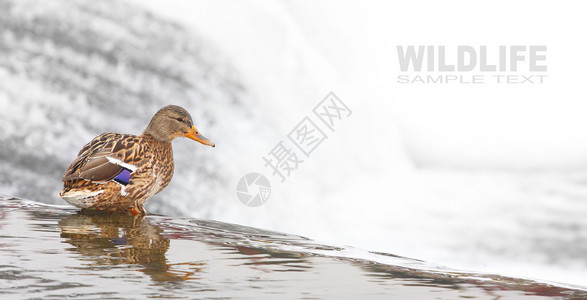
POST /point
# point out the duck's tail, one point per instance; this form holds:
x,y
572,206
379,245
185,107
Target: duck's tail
x,y
79,197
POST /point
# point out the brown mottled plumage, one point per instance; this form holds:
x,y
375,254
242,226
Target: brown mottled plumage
x,y
119,172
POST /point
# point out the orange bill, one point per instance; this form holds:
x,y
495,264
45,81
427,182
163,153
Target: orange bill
x,y
196,136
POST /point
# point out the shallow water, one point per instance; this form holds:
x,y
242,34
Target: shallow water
x,y
57,252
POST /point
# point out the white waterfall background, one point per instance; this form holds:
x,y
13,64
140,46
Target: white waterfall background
x,y
488,179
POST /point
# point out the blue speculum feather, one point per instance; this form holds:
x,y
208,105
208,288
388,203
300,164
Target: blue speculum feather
x,y
123,177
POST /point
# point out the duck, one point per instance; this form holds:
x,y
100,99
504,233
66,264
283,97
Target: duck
x,y
119,172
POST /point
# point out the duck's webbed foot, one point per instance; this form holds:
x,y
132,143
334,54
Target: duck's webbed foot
x,y
138,210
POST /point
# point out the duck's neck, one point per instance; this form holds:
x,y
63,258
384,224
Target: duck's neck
x,y
159,133
154,139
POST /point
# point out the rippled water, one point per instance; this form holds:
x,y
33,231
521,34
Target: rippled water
x,y
55,252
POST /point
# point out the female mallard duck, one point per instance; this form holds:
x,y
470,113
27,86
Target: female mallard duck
x,y
119,172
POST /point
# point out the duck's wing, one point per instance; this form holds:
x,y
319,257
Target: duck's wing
x,y
106,157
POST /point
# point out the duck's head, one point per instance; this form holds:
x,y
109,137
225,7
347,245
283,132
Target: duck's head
x,y
173,121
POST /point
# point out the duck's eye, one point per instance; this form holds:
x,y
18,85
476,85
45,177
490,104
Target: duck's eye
x,y
180,119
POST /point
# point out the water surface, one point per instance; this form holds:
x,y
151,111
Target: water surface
x,y
57,252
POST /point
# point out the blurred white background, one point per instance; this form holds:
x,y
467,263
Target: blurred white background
x,y
486,177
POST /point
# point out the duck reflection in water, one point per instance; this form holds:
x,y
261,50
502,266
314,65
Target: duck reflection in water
x,y
118,239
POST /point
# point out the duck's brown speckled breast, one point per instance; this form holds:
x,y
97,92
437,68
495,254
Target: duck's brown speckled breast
x,y
157,164
164,165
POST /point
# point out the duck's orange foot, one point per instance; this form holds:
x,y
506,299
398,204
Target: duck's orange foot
x,y
135,211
